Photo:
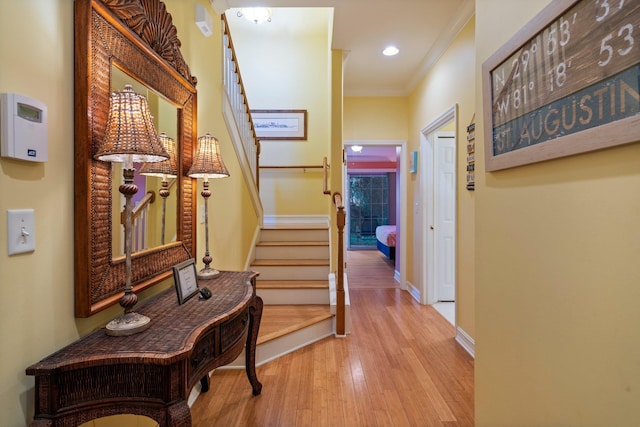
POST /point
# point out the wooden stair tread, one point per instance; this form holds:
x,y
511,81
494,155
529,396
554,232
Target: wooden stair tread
x,y
290,262
280,320
292,284
295,227
293,243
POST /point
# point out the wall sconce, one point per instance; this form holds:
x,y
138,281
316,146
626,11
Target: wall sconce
x,y
207,164
129,137
164,170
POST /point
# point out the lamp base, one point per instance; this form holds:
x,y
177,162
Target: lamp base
x,y
207,273
128,324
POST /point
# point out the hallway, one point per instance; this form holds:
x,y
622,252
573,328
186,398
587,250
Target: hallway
x,y
400,366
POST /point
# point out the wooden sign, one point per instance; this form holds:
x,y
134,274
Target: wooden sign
x,y
567,83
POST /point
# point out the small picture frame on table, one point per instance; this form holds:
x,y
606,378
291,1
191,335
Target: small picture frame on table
x,y
186,280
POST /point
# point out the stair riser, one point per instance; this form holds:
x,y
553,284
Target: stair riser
x,y
294,296
278,272
292,252
280,235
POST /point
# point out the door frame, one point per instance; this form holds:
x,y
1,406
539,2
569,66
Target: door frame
x,y
428,292
401,217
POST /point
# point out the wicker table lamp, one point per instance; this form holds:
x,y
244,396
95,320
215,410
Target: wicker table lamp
x,y
130,136
164,170
207,164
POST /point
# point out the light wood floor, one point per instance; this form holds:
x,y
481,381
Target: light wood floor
x,y
400,366
368,269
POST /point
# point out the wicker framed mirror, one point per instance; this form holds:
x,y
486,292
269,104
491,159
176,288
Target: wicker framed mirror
x,y
139,38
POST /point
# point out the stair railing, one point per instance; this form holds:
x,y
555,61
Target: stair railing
x,y
240,123
139,216
325,177
340,295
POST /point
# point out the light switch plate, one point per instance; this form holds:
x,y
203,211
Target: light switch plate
x,y
21,231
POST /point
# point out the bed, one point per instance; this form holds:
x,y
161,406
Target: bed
x,y
386,240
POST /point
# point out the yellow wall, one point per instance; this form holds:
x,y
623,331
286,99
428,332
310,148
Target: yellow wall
x,y
557,244
36,295
450,82
376,118
283,72
335,159
232,218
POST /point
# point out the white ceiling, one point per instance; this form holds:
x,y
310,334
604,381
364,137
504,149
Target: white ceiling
x,y
421,29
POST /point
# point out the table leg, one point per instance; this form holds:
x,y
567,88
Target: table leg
x,y
205,382
178,415
255,315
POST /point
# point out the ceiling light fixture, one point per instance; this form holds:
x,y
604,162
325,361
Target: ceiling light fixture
x,y
356,148
390,51
257,15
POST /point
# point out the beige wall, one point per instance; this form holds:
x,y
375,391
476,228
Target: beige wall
x,y
557,276
36,295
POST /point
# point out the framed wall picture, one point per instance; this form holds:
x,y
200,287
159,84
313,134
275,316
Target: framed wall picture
x,y
186,280
566,83
280,124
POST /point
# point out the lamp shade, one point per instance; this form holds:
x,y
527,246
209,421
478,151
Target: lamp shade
x,y
130,135
167,168
207,162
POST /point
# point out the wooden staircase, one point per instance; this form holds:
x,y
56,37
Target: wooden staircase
x,y
293,262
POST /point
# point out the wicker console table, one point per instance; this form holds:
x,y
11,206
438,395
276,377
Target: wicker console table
x,y
153,372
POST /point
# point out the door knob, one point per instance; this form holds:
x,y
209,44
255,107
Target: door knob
x,y
431,227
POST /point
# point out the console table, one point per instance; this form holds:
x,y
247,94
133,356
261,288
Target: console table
x,y
153,372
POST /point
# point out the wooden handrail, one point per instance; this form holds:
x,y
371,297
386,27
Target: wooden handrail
x,y
337,200
325,174
148,198
340,295
291,167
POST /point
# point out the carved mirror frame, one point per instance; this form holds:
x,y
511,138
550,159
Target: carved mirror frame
x,y
138,37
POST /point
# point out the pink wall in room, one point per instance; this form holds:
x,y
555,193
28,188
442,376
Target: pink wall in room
x,y
371,165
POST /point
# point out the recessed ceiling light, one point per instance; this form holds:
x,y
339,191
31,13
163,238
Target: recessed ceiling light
x,y
390,51
356,148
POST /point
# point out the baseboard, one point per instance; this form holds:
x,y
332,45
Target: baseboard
x,y
195,392
466,341
415,292
295,219
271,350
252,253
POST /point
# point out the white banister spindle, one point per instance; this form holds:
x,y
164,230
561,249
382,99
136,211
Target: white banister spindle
x,y
232,82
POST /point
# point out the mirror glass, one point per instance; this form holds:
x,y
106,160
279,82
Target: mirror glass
x,y
154,217
138,45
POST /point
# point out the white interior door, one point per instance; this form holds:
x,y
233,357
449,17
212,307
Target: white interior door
x,y
445,215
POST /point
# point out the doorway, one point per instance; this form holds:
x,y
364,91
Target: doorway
x,y
439,218
380,157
